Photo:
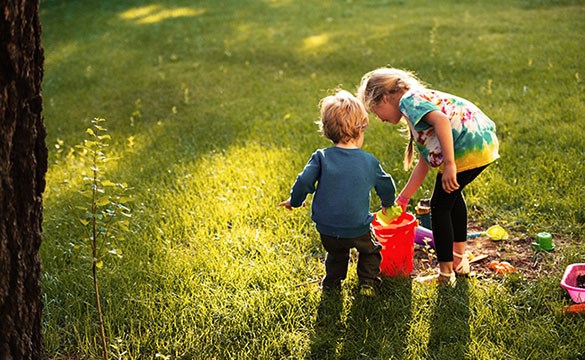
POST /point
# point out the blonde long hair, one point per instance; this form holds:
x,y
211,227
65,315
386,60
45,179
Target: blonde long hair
x,y
377,83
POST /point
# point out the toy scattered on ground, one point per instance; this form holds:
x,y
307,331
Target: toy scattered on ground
x,y
575,309
573,281
501,267
543,242
495,232
424,236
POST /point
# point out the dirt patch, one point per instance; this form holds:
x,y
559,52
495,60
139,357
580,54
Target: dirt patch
x,y
516,250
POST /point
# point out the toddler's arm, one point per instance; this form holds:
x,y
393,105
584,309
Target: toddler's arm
x,y
287,204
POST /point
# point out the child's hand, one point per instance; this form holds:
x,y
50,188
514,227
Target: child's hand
x,y
286,204
402,202
449,181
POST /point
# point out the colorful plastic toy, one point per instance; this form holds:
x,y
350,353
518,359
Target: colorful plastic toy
x,y
501,267
424,236
543,242
495,232
397,243
570,282
392,213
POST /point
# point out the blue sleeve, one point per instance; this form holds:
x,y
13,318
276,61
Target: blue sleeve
x,y
415,107
385,188
305,183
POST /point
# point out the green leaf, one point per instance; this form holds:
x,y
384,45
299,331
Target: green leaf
x,y
84,221
124,199
104,200
123,226
108,183
86,194
116,252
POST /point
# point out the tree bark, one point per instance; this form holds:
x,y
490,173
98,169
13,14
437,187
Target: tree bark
x,y
23,164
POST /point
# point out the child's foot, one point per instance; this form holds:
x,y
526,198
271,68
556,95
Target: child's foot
x,y
367,290
447,279
462,267
329,286
370,288
442,279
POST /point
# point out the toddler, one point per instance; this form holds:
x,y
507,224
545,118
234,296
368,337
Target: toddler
x,y
342,177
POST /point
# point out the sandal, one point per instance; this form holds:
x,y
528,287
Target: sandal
x,y
442,279
447,279
463,268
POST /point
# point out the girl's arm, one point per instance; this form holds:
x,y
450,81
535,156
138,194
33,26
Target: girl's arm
x,y
442,126
414,182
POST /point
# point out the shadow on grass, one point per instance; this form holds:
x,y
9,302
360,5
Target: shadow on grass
x,y
329,328
374,327
450,334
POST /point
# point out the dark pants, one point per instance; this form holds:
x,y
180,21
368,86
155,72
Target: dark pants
x,y
449,214
336,263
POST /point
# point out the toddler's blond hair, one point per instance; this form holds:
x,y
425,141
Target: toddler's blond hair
x,y
343,117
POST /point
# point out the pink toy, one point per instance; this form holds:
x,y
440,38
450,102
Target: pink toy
x,y
569,282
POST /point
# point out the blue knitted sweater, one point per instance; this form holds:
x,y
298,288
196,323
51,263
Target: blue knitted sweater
x,y
342,180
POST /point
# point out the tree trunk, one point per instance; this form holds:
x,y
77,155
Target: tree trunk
x,y
23,164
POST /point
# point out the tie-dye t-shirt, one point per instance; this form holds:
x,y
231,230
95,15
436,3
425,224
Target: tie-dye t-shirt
x,y
474,134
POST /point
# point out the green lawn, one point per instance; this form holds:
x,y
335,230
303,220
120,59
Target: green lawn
x,y
211,107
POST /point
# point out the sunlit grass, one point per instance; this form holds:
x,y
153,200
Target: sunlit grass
x,y
156,13
211,110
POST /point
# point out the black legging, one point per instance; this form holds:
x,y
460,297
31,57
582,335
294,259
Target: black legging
x,y
449,214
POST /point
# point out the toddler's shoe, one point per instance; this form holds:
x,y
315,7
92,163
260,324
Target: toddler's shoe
x,y
367,290
328,287
370,288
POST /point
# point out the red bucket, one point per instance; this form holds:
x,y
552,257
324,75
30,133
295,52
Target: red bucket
x,y
397,239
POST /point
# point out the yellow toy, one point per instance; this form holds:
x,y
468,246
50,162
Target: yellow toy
x,y
392,213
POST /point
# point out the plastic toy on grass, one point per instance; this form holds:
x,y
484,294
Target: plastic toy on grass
x,y
543,242
424,236
575,309
495,232
501,267
397,239
573,281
